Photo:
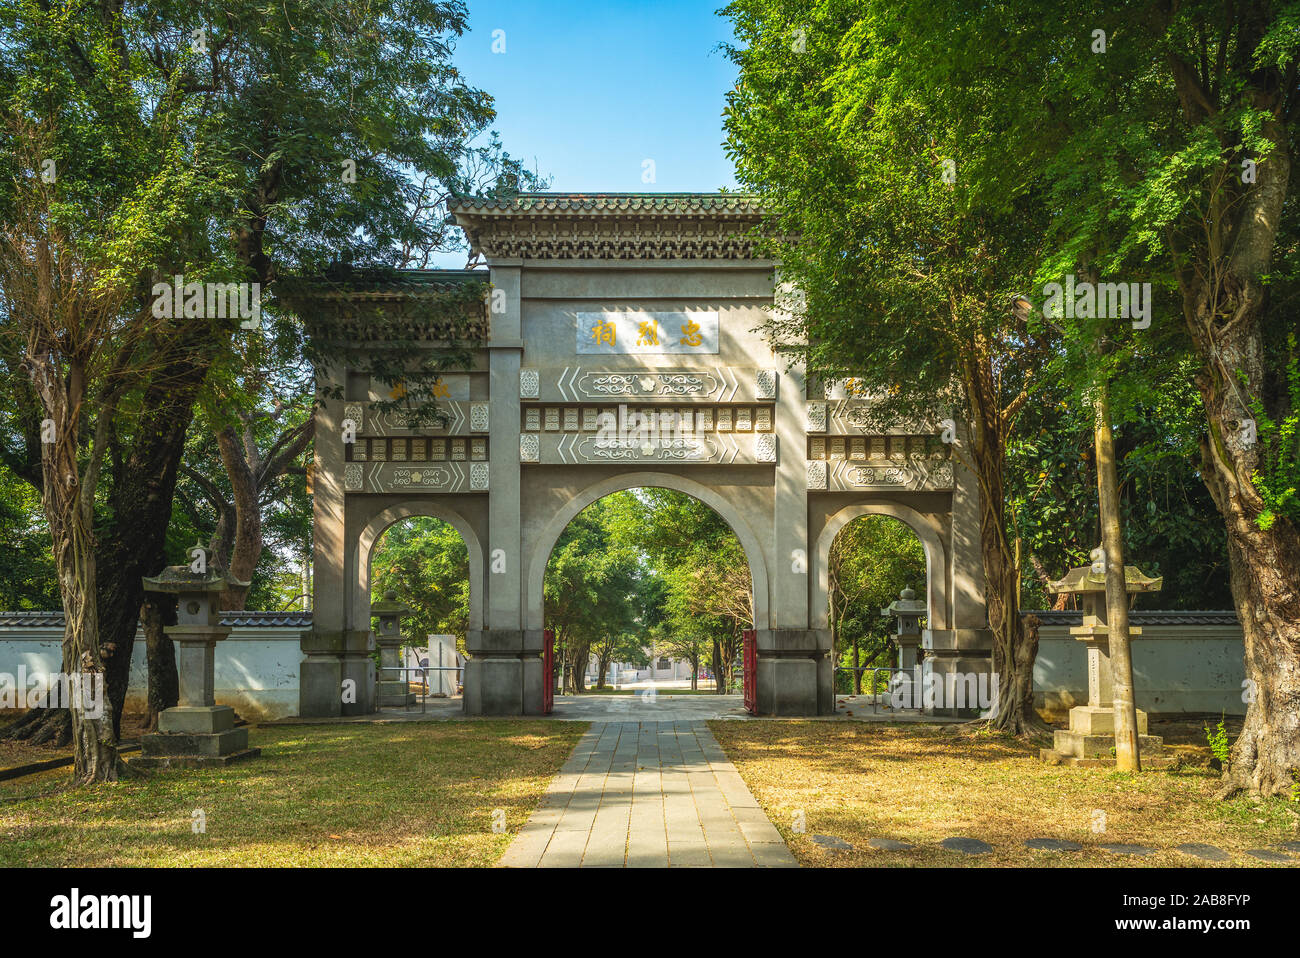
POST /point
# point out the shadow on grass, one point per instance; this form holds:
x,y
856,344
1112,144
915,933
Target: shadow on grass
x,y
331,795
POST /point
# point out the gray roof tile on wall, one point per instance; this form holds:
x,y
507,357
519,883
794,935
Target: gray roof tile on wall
x,y
248,620
1141,617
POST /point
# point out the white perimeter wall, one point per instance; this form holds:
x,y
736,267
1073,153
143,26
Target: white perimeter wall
x,y
1176,669
256,667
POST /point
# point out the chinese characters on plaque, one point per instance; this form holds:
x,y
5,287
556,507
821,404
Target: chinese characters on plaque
x,y
639,332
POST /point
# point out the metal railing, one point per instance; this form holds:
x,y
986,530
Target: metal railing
x,y
876,696
407,669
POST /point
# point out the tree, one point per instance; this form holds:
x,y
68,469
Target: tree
x,y
1166,141
426,562
908,256
70,256
588,588
313,135
871,560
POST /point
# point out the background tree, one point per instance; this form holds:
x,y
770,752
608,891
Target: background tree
x,y
907,251
871,560
426,562
589,588
700,565
320,128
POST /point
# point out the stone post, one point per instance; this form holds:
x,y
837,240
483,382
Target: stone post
x,y
394,686
1090,739
196,733
908,609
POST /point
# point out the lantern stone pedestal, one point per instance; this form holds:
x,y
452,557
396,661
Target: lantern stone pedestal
x,y
1090,739
394,685
907,632
197,733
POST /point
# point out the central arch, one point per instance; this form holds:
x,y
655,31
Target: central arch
x,y
534,608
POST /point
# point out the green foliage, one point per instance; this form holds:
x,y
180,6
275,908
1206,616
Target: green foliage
x,y
872,560
27,577
906,279
1217,738
1171,527
648,572
426,563
1278,475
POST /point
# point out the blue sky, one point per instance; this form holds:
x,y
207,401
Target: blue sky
x,y
588,91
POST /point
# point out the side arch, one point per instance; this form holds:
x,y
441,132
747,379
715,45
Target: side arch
x,y
534,608
365,544
927,529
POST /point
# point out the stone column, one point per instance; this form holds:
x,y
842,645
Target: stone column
x,y
336,678
959,646
795,671
196,732
504,673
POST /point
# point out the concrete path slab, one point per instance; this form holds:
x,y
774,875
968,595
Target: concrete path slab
x,y
648,795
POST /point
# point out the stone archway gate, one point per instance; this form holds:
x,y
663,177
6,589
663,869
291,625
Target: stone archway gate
x,y
631,311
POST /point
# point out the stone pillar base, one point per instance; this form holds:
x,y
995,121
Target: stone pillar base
x,y
395,694
1090,740
794,673
1100,720
195,737
504,673
338,677
957,673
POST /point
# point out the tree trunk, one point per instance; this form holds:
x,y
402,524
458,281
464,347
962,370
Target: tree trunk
x,y
857,667
1226,311
246,543
157,612
1263,568
1013,654
1127,757
131,543
68,508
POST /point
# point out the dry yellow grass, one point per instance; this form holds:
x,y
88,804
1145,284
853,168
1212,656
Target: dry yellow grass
x,y
921,784
408,794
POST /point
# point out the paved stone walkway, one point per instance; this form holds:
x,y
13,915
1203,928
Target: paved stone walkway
x,y
648,794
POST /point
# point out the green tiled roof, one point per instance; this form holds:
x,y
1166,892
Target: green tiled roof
x,y
391,282
745,205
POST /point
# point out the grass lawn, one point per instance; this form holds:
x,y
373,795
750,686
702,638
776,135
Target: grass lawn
x,y
922,784
408,794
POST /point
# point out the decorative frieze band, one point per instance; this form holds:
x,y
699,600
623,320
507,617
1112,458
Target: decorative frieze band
x,y
718,384
658,419
912,475
441,477
419,449
368,420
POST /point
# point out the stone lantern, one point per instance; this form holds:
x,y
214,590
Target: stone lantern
x,y
394,685
908,609
197,732
1090,738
